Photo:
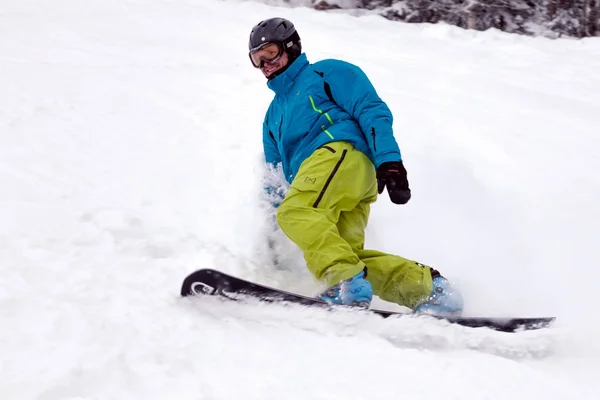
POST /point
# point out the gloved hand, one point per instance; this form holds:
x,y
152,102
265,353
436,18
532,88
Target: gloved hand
x,y
393,175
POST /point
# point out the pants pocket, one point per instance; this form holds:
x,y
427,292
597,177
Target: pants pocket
x,y
330,178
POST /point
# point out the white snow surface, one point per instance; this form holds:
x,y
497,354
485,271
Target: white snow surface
x,y
131,155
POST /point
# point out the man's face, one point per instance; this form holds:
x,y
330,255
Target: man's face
x,y
271,67
269,58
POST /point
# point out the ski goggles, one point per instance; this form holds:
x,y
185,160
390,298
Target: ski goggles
x,y
265,53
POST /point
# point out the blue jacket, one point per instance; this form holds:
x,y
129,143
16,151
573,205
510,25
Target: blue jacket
x,y
328,101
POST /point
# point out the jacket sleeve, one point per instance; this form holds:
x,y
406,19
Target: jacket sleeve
x,y
272,155
273,190
352,90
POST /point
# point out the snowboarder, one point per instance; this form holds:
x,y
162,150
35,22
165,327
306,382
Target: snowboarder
x,y
332,136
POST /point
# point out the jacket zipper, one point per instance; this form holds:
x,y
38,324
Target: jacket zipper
x,y
374,142
280,124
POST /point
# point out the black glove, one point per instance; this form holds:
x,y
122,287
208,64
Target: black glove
x,y
393,175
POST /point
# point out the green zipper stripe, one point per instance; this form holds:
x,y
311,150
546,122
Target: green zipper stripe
x,y
312,102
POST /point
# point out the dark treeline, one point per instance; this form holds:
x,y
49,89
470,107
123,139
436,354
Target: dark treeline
x,y
552,18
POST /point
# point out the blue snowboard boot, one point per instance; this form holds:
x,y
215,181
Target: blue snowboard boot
x,y
444,301
356,291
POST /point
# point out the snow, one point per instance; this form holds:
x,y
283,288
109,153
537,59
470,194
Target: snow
x,y
131,155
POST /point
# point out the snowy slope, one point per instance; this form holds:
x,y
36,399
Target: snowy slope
x,y
131,155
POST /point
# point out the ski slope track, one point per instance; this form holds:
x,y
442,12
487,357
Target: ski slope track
x,y
131,155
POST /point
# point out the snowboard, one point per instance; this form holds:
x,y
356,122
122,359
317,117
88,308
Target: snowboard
x,y
210,282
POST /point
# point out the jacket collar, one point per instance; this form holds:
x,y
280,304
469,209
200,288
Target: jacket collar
x,y
283,83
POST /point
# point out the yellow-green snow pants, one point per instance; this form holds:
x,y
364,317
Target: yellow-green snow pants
x,y
326,211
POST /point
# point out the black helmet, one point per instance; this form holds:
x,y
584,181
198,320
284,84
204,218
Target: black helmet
x,y
276,30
